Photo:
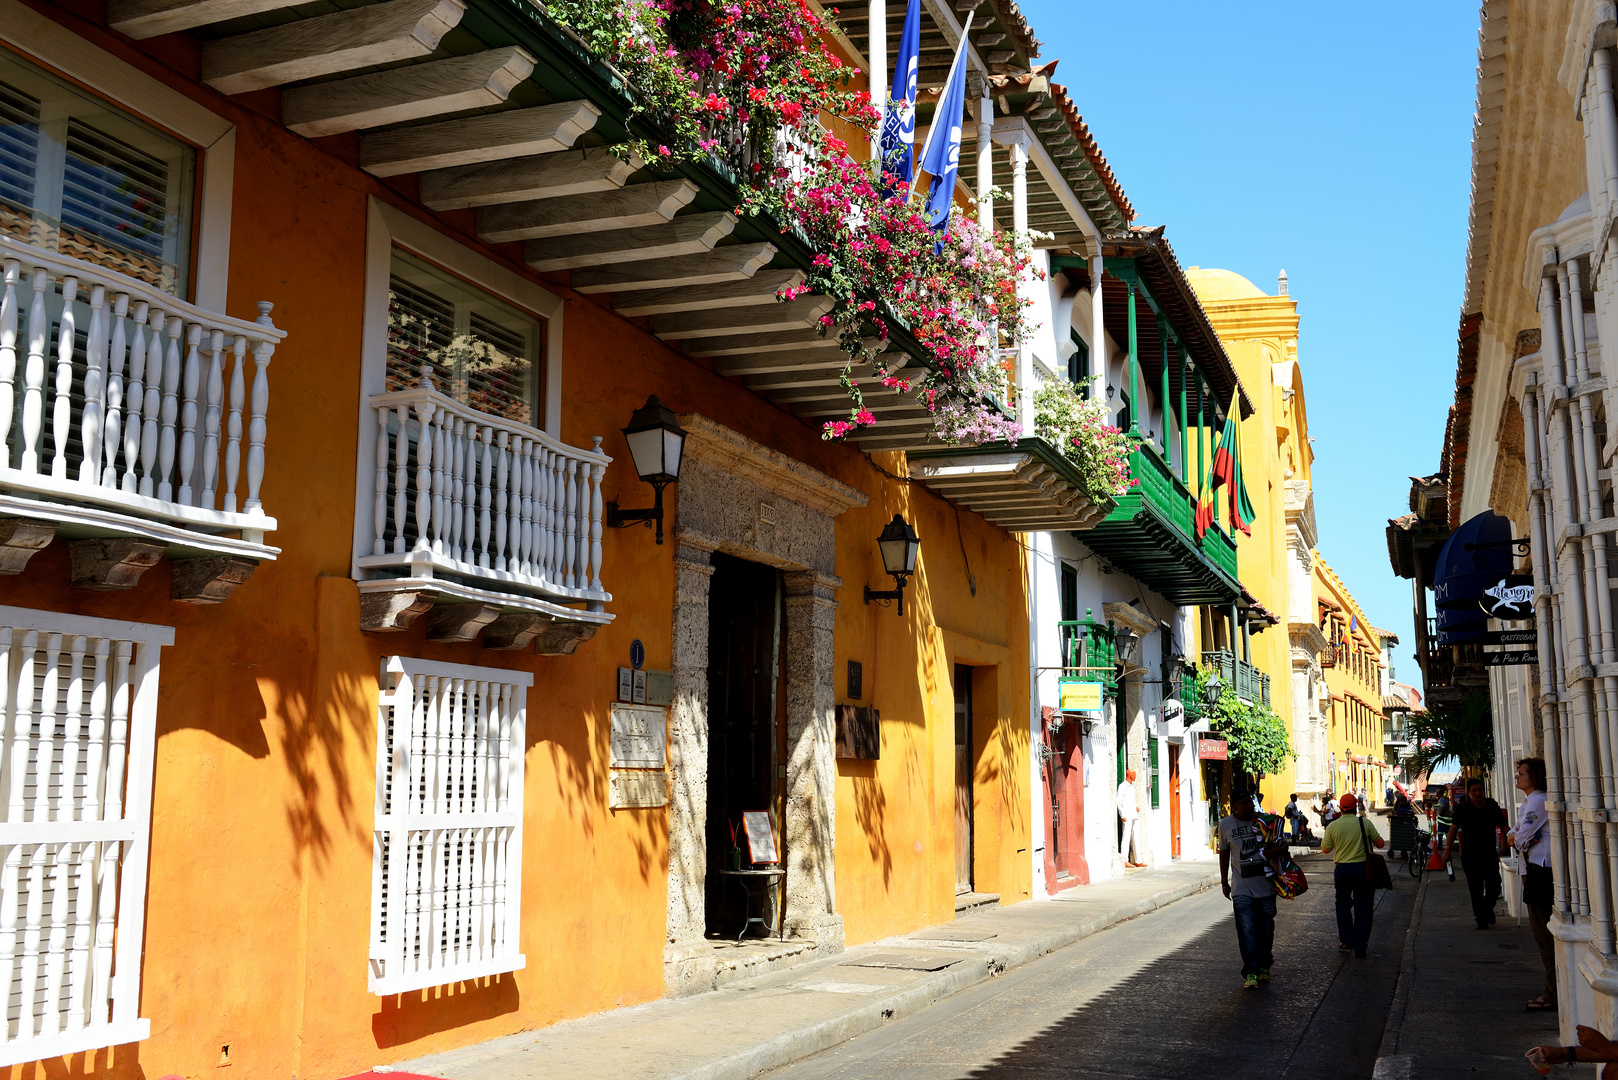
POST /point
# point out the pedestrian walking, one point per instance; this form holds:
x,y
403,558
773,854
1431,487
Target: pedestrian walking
x,y
1252,897
1327,810
1530,839
1293,815
1478,820
1359,798
1445,814
1128,814
1348,840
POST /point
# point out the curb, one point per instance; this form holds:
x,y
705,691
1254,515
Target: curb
x,y
1390,1064
834,1031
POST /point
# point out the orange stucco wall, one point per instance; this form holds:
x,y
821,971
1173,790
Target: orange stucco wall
x,y
260,881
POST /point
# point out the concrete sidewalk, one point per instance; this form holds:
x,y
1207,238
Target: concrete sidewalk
x,y
1460,1008
761,1024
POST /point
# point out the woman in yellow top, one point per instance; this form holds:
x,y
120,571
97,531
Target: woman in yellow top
x,y
1345,841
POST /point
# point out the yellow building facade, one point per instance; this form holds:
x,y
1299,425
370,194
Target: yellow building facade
x,y
1260,332
1353,669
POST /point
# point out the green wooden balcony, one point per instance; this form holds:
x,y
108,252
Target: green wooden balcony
x,y
1249,683
1150,536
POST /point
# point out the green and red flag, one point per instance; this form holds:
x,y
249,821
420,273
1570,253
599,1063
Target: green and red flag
x,y
1225,470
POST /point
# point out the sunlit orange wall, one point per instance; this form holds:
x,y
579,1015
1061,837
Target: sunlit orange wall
x,y
260,881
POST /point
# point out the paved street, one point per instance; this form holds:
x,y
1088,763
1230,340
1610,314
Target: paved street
x,y
1158,997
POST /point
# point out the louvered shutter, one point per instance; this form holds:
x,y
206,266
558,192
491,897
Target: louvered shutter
x,y
78,700
446,882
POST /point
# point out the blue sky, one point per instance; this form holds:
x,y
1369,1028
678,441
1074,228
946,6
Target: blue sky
x,y
1335,143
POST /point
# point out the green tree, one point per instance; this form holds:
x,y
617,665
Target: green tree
x,y
1463,731
1257,737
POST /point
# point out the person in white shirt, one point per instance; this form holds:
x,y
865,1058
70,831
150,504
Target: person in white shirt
x,y
1128,812
1531,839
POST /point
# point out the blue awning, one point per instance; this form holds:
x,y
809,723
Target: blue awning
x,y
1476,556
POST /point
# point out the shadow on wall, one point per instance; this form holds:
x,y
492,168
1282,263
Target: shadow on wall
x,y
405,1018
870,811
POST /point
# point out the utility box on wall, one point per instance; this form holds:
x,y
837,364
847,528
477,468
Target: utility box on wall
x,y
859,733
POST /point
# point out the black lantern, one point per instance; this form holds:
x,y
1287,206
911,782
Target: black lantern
x,y
1110,391
656,445
1124,641
898,544
1214,688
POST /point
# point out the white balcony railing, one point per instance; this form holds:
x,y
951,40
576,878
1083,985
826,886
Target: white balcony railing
x,y
498,504
122,400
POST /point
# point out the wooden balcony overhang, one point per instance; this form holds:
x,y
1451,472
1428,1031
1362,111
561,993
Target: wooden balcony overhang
x,y
1029,487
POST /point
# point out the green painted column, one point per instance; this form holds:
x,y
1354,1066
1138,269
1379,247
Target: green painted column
x,y
1134,366
1185,436
1163,399
1202,422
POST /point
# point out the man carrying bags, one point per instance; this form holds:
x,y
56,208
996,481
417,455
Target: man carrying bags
x,y
1242,848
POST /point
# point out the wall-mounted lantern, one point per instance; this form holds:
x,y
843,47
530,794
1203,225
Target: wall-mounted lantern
x,y
1124,641
898,544
1214,688
656,445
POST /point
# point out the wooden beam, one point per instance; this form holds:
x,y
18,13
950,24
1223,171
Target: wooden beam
x,y
687,235
721,264
814,372
777,341
328,44
625,208
148,18
762,365
544,176
690,325
408,93
760,289
546,129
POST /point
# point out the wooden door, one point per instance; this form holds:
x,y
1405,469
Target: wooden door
x,y
963,779
1174,799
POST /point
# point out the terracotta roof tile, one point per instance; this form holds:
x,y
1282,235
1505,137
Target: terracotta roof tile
x,y
1092,150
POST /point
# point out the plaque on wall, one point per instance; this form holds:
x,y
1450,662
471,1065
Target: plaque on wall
x,y
629,789
639,737
859,733
660,688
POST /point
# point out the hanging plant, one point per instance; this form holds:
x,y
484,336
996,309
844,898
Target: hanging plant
x,y
1258,738
1080,427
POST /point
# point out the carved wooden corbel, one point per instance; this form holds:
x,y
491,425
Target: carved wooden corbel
x,y
459,622
20,540
104,565
210,580
386,612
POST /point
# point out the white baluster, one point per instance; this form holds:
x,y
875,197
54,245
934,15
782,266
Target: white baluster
x,y
33,918
548,518
469,505
188,414
171,410
570,506
33,396
78,942
442,480
137,400
62,412
151,412
263,352
96,746
112,809
526,526
233,429
485,497
597,471
56,941
8,357
454,486
61,805
425,498
401,481
214,399
502,480
115,392
379,510
95,363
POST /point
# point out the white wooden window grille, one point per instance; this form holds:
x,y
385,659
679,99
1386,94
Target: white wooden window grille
x,y
80,178
446,878
78,727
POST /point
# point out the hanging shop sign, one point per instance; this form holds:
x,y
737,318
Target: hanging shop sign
x,y
1529,636
1078,695
1213,750
1511,659
1511,598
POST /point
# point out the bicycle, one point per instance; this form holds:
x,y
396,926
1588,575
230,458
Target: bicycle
x,y
1422,852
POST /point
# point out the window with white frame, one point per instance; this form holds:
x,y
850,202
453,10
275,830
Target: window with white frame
x,y
83,179
446,891
78,701
483,353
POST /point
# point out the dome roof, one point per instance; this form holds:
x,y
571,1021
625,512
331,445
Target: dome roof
x,y
1214,285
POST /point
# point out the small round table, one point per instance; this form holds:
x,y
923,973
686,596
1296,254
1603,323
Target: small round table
x,y
771,877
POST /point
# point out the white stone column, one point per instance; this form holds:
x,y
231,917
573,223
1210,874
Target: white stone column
x,y
1018,141
877,56
688,747
1098,329
1606,123
985,118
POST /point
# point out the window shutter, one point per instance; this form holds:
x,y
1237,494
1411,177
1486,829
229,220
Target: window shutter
x,y
113,191
19,148
446,878
77,733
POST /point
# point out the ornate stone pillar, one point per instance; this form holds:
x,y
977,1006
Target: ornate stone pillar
x,y
688,745
809,828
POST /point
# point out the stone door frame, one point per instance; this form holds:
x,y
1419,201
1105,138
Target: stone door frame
x,y
752,502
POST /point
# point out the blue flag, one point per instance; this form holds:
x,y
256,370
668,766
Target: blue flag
x,y
942,157
899,119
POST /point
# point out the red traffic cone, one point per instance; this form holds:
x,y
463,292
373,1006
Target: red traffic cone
x,y
1437,861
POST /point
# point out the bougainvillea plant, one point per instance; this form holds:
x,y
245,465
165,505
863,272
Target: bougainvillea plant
x,y
754,83
1080,427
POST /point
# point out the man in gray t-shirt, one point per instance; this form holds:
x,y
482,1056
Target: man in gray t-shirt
x,y
1242,863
